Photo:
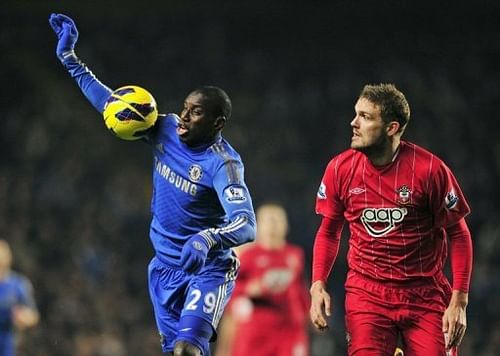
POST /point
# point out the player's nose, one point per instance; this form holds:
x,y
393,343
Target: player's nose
x,y
184,115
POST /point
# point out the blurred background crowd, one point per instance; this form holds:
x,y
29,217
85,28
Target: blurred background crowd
x,y
74,200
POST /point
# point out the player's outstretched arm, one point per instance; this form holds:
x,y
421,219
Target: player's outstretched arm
x,y
67,34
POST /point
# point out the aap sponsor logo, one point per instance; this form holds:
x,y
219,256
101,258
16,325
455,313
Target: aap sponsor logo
x,y
390,217
235,195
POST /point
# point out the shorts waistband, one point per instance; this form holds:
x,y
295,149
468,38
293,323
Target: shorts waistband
x,y
409,283
162,260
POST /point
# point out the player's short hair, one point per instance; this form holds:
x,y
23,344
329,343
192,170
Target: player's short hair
x,y
392,103
218,101
271,204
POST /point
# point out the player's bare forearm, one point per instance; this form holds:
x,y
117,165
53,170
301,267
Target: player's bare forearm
x,y
455,319
459,298
320,305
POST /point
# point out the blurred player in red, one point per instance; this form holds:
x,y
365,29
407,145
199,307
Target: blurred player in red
x,y
267,315
403,206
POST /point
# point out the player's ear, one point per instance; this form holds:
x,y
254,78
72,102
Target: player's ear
x,y
393,128
219,123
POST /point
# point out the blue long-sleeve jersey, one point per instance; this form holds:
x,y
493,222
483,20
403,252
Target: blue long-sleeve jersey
x,y
195,189
15,290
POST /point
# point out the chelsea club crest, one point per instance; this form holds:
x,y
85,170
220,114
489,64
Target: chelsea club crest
x,y
195,173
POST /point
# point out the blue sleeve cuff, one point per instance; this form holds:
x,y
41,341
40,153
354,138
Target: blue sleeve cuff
x,y
240,230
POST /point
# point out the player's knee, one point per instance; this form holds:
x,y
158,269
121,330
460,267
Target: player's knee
x,y
184,348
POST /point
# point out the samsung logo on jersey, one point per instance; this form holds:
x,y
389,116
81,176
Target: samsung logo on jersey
x,y
175,179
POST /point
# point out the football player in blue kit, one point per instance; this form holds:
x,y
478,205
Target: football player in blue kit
x,y
201,207
18,309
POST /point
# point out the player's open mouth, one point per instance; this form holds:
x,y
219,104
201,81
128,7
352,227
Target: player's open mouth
x,y
182,130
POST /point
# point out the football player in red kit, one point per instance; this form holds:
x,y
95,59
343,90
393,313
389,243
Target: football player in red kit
x,y
403,207
267,315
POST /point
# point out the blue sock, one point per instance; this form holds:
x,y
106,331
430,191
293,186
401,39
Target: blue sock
x,y
196,331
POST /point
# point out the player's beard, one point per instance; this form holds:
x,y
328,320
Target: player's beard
x,y
375,149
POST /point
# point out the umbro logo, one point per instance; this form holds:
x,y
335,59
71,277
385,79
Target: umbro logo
x,y
357,190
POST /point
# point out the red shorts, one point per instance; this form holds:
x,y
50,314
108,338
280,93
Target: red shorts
x,y
377,314
255,339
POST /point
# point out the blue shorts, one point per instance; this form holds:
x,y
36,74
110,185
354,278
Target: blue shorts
x,y
175,294
7,347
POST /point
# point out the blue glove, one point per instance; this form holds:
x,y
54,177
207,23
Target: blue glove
x,y
67,34
194,252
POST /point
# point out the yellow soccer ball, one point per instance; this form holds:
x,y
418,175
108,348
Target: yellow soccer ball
x,y
130,112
